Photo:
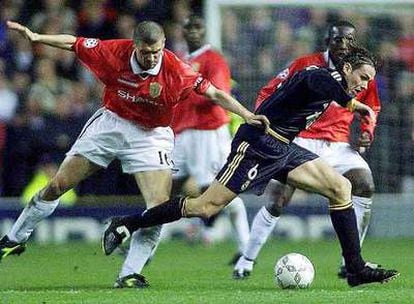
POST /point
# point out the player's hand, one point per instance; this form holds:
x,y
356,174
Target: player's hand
x,y
23,30
364,142
365,111
258,120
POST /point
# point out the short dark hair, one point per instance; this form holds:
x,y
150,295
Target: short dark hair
x,y
148,32
339,23
357,57
193,19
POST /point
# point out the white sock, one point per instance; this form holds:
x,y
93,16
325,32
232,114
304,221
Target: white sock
x,y
238,217
262,226
244,265
143,242
31,215
362,208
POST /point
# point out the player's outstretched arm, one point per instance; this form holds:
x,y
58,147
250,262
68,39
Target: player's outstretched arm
x,y
59,41
229,103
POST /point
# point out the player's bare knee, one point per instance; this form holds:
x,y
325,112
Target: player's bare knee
x,y
363,187
340,190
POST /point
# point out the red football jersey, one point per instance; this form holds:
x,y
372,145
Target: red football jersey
x,y
147,98
198,112
334,124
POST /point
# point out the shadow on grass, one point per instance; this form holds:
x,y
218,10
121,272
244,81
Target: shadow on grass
x,y
67,288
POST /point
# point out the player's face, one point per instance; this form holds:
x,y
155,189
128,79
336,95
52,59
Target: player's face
x,y
148,55
194,32
341,40
359,78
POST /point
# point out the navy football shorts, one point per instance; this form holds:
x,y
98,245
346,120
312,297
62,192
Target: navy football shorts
x,y
250,166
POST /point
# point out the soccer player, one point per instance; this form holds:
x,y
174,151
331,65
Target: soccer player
x,y
258,157
143,83
202,128
329,138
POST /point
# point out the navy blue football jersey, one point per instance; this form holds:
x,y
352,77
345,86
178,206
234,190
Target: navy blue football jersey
x,y
300,100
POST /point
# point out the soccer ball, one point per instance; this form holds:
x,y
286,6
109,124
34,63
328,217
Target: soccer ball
x,y
294,270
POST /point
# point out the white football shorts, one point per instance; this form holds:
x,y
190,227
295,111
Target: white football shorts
x,y
106,137
340,155
201,153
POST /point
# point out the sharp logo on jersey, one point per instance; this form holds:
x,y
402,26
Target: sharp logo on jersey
x,y
130,83
136,99
336,76
90,43
155,89
198,81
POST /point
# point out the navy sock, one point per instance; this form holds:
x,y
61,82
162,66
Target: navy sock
x,y
166,212
344,222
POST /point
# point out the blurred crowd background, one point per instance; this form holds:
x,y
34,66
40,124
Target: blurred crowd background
x,y
46,95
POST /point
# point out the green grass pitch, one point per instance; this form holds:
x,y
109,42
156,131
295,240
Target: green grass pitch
x,y
182,273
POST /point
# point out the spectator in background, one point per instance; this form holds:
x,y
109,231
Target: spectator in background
x,y
48,85
8,105
62,17
145,9
22,59
125,25
405,131
282,43
8,98
96,19
46,168
405,42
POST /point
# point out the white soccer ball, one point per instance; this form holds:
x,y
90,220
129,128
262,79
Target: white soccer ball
x,y
294,270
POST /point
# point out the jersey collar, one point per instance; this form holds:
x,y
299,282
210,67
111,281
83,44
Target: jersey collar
x,y
199,51
328,60
136,69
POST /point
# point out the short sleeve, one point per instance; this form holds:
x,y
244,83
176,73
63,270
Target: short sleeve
x,y
88,50
191,81
97,55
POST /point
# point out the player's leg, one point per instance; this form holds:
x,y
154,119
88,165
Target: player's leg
x,y
238,217
362,193
262,226
316,176
72,170
350,164
156,186
148,157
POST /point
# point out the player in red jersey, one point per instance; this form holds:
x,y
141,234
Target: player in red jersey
x,y
143,83
329,138
202,130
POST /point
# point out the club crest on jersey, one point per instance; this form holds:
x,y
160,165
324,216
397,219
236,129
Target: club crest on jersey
x,y
90,43
196,66
155,89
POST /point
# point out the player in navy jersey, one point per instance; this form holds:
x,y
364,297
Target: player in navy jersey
x,y
257,157
329,137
